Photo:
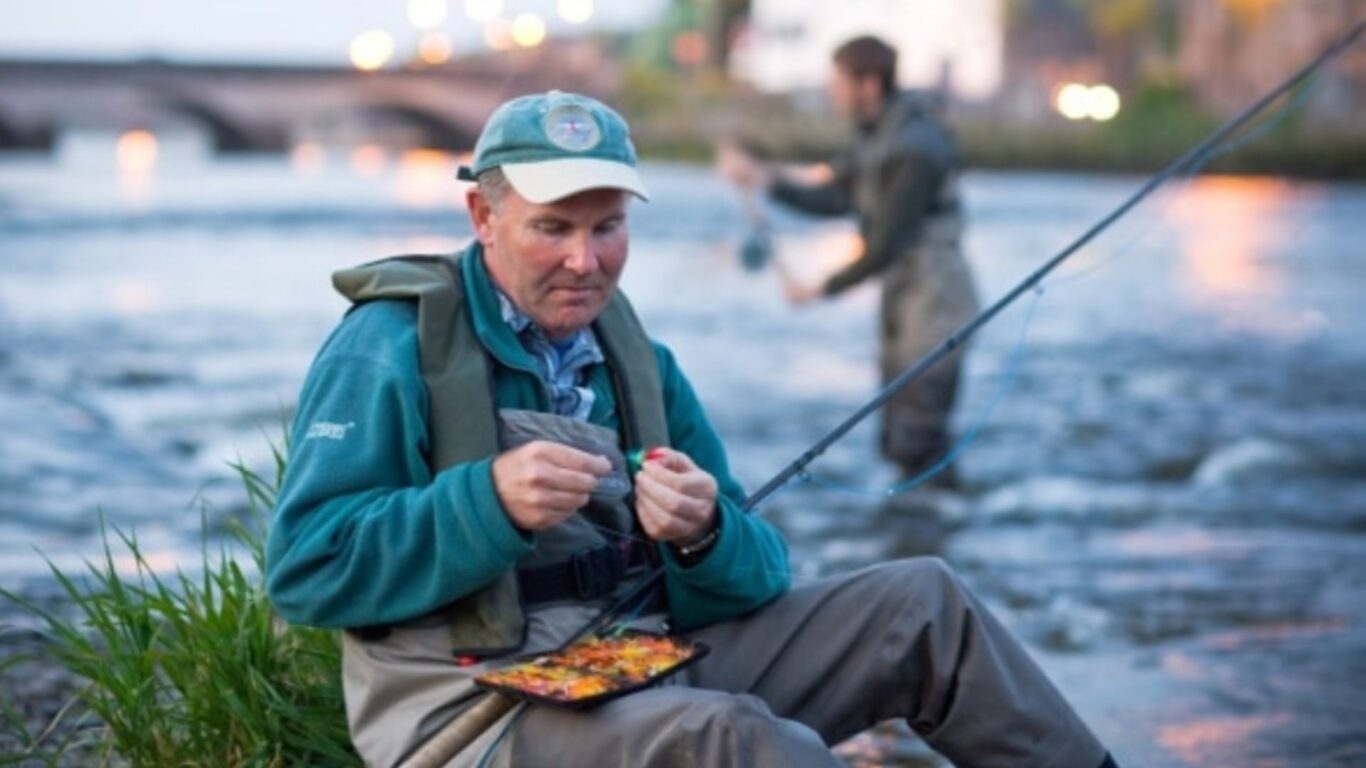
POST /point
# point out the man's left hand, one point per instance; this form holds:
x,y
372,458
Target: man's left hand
x,y
675,500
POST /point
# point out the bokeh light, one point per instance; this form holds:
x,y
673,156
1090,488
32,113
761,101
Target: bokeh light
x,y
1104,102
434,48
574,11
498,34
136,151
307,157
426,14
371,50
369,160
690,48
528,30
1073,101
423,178
482,11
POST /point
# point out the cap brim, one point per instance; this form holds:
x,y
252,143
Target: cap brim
x,y
550,180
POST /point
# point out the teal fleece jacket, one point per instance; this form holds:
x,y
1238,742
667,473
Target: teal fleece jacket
x,y
363,533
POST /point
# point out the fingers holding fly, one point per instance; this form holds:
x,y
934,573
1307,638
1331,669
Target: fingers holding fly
x,y
662,524
670,501
566,457
677,472
542,483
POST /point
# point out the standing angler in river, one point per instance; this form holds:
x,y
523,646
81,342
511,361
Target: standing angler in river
x,y
899,176
478,504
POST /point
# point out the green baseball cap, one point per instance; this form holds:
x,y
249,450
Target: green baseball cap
x,y
553,145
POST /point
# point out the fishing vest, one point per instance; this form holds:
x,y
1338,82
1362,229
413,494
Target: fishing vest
x,y
905,127
465,424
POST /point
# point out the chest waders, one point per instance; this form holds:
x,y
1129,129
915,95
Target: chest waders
x,y
574,560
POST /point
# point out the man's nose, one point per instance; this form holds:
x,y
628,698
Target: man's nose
x,y
581,258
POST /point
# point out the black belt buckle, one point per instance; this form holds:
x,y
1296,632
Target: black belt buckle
x,y
597,571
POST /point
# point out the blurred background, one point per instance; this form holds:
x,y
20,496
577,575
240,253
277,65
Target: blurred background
x,y
1089,84
1166,496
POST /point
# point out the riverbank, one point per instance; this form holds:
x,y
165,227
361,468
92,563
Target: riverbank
x,y
1144,138
987,147
40,709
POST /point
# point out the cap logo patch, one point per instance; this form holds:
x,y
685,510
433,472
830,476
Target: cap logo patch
x,y
571,127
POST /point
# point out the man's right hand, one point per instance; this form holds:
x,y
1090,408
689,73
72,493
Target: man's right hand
x,y
740,167
542,483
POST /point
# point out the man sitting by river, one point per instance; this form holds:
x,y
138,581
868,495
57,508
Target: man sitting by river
x,y
458,492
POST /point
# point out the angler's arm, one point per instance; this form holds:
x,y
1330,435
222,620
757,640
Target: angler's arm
x,y
896,222
831,197
747,567
362,533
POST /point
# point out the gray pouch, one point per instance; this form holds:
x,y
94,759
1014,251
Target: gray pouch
x,y
518,427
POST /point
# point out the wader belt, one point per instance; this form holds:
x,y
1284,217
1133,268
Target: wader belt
x,y
588,575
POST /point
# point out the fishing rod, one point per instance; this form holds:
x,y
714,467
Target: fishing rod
x,y
466,728
955,340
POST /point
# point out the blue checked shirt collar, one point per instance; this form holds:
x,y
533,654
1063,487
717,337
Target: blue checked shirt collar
x,y
563,372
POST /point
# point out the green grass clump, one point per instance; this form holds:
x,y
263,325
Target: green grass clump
x,y
198,669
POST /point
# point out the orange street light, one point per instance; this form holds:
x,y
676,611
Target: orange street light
x,y
434,48
136,151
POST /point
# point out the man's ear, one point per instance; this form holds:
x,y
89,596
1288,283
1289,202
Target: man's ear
x,y
481,215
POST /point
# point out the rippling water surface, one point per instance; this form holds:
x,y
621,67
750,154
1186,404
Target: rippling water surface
x,y
1167,503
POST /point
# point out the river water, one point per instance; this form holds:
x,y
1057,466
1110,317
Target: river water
x,y
1165,495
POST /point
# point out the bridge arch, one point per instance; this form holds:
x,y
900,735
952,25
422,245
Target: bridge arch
x,y
434,130
13,136
226,133
10,137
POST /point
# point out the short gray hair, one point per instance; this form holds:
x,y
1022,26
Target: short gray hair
x,y
494,186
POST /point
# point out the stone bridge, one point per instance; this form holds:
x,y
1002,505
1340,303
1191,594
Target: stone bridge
x,y
252,108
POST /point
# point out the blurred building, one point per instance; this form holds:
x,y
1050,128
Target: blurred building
x,y
1232,51
786,45
1047,42
1220,54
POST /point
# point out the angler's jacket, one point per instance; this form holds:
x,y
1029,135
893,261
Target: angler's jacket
x,y
365,533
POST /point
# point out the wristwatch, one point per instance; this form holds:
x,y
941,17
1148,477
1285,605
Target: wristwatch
x,y
694,552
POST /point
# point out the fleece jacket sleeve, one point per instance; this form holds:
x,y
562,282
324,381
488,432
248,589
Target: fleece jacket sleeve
x,y
362,533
